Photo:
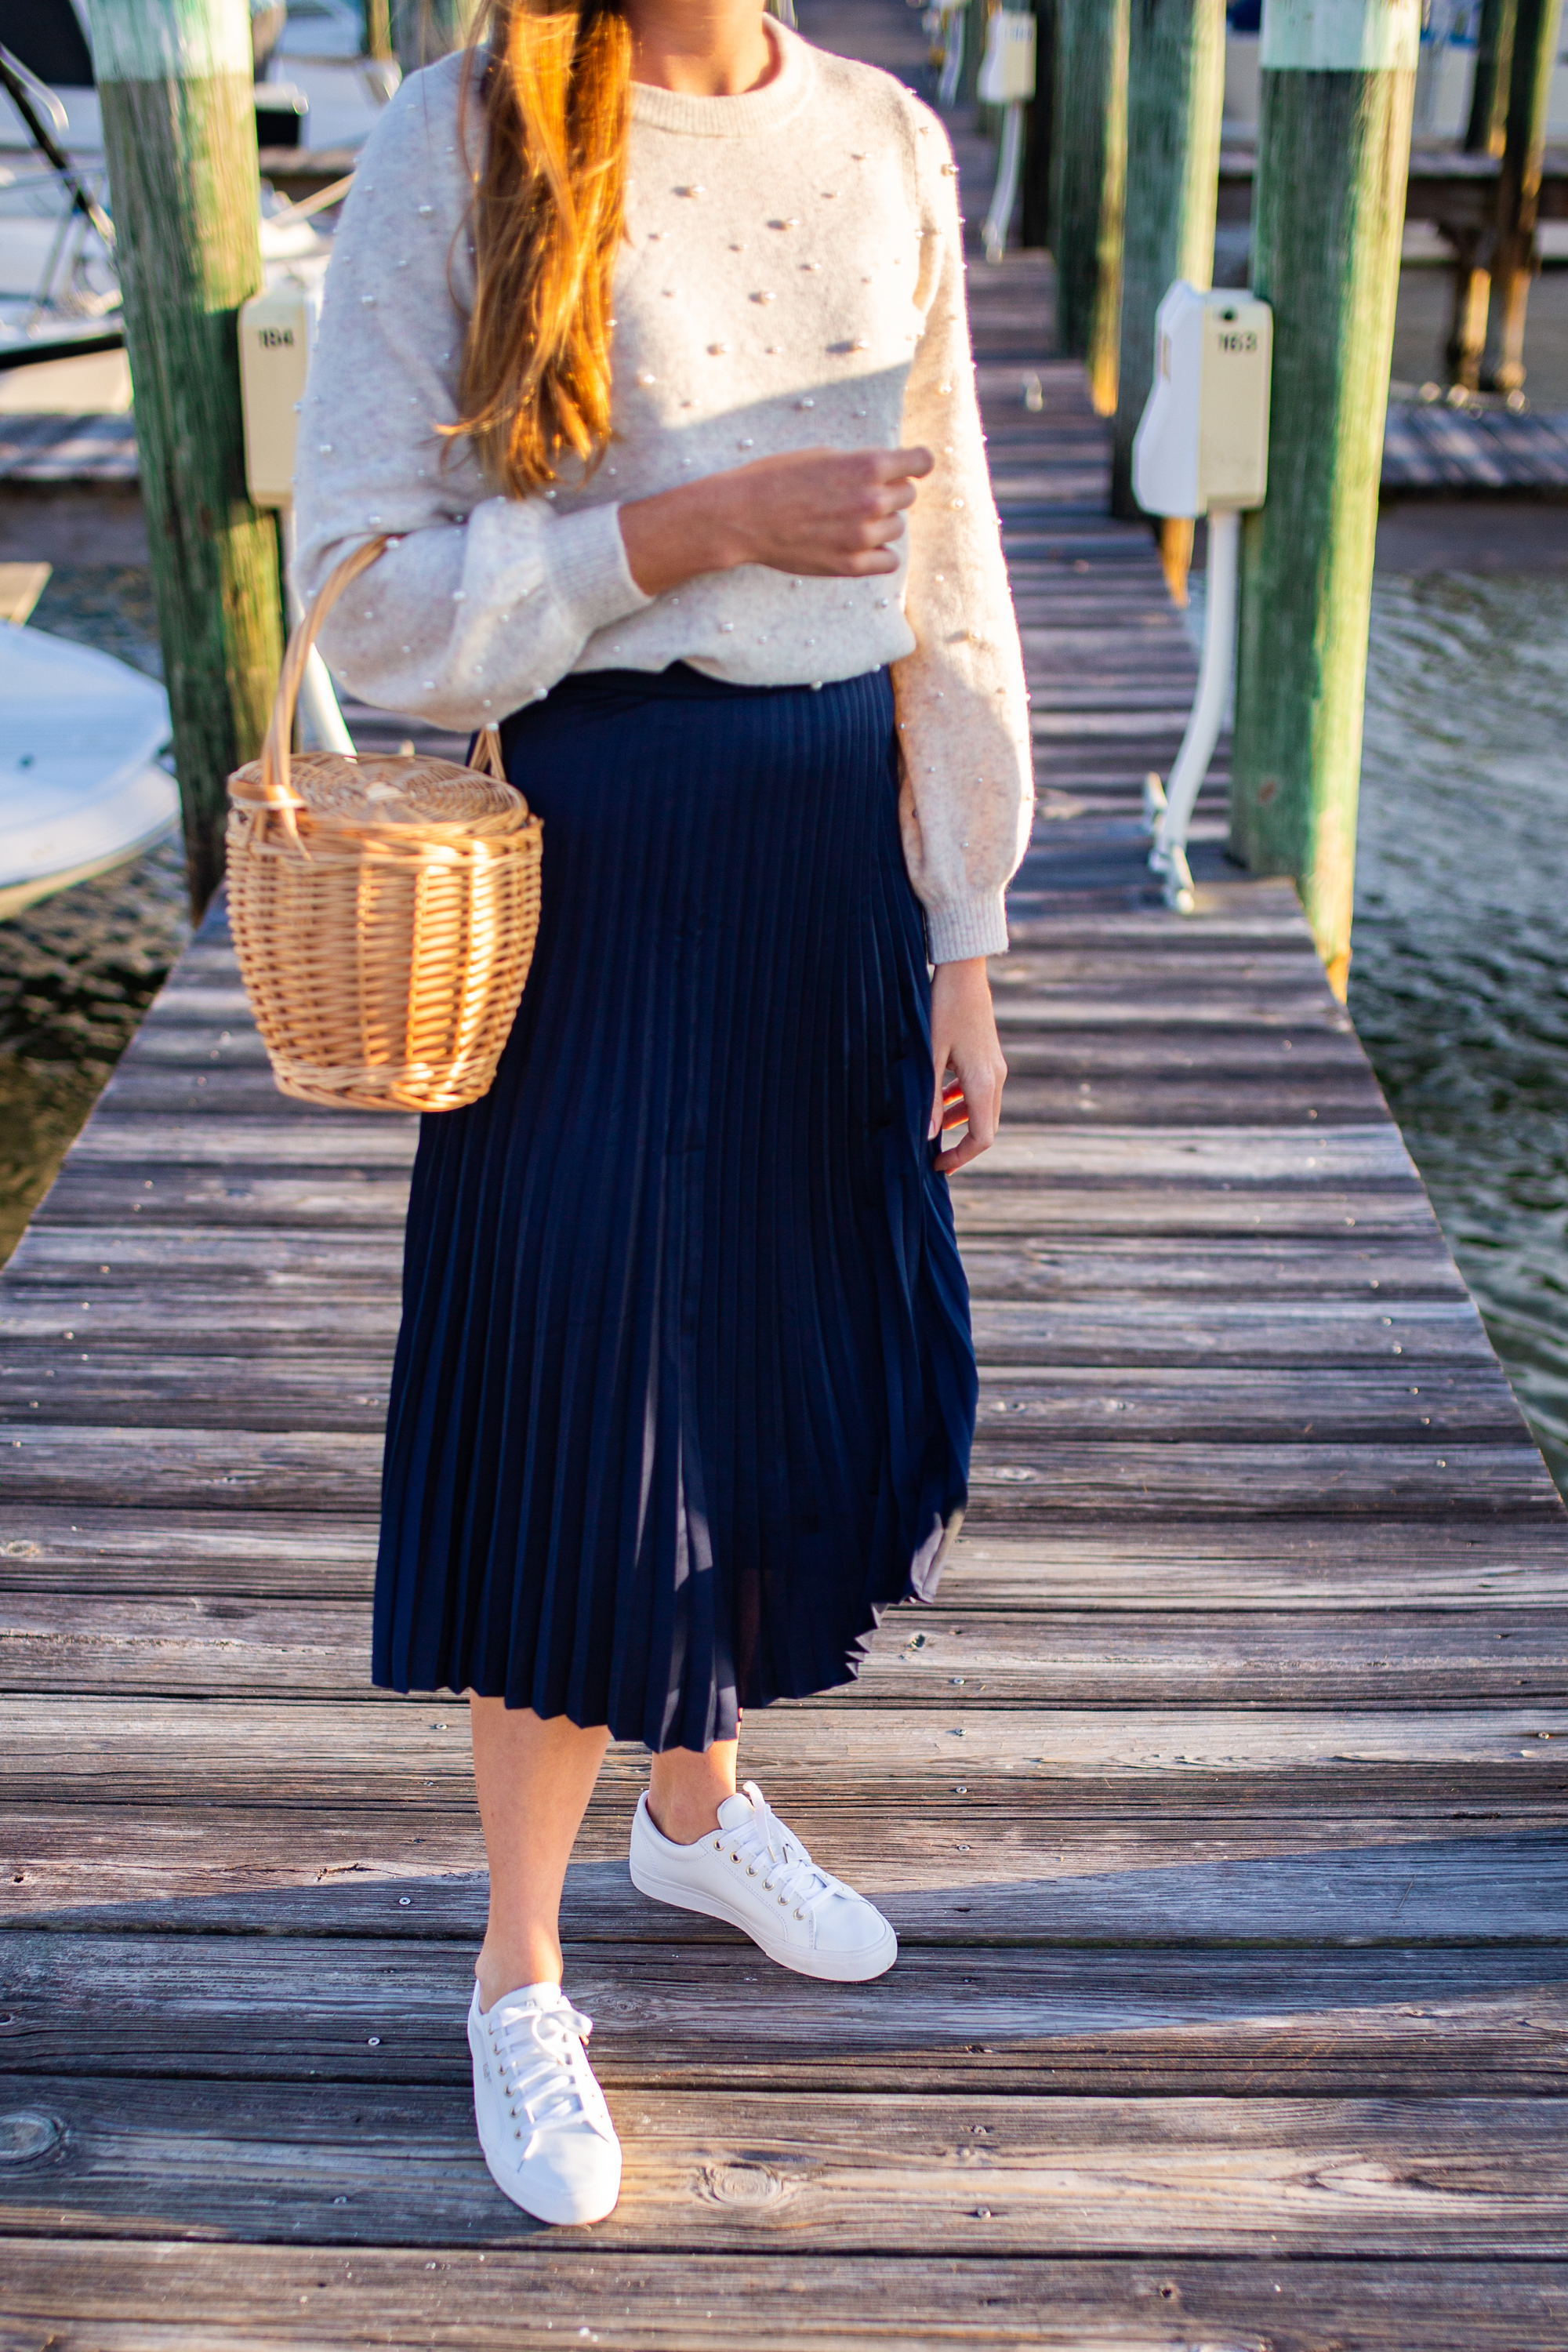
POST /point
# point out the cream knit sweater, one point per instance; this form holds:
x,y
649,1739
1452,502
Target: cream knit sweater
x,y
792,277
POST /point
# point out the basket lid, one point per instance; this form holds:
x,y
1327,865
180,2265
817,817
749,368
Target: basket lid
x,y
389,789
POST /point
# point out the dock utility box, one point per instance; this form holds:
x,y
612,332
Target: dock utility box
x,y
276,331
1202,440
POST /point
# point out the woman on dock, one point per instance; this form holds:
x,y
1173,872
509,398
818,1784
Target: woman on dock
x,y
645,338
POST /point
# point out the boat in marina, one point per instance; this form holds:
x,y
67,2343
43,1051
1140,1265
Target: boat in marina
x,y
85,778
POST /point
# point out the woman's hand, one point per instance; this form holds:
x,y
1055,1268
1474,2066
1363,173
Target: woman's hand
x,y
824,513
965,1043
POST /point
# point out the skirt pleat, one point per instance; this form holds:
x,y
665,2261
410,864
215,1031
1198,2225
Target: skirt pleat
x,y
684,1389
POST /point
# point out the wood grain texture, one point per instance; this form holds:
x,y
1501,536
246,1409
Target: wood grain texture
x,y
1369,2023
364,2164
165,2296
973,1871
184,1647
166,1750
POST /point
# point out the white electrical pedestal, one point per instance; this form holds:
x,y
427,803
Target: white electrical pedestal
x,y
1006,78
1202,448
276,331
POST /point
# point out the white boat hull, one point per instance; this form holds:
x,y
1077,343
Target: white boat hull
x,y
82,789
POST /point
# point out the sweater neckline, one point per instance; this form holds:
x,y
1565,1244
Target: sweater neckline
x,y
777,102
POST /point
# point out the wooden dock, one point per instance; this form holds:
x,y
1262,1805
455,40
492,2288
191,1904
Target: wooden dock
x,y
1219,1804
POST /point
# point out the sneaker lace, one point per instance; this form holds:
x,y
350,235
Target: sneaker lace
x,y
543,2065
789,1871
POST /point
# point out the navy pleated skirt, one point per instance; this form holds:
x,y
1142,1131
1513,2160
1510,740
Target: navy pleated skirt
x,y
684,1390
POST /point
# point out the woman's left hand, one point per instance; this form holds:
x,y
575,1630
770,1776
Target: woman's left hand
x,y
967,1053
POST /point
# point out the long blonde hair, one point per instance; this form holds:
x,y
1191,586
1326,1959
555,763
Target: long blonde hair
x,y
549,206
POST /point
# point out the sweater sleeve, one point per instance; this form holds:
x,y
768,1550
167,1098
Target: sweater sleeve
x,y
968,794
483,602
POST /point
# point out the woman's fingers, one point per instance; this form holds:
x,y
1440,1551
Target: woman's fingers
x,y
969,1070
829,511
978,1107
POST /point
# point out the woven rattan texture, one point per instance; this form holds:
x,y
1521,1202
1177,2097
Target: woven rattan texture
x,y
391,789
384,911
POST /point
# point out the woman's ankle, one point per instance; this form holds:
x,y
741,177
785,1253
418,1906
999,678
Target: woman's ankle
x,y
507,1963
686,1788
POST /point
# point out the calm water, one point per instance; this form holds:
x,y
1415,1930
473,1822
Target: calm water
x,y
1459,985
1460,980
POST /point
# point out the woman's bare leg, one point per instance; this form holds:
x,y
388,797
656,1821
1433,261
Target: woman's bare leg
x,y
685,1789
533,1779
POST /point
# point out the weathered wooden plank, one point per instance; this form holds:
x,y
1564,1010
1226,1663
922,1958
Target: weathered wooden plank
x,y
210,1751
307,1138
1258,1266
1115,966
1254,1264
174,2297
1086,1872
1165,1330
1368,1154
1377,2022
290,1388
1107,1563
1036,1474
241,1192
363,1201
80,1641
1127,1331
1143,954
1174,1101
380,2164
1152,1097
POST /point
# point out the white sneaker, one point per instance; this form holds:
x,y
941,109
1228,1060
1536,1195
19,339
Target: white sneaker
x,y
756,1873
543,2125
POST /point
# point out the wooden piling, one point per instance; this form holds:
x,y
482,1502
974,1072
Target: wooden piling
x,y
1035,223
179,133
378,28
1488,92
1175,88
1484,135
1537,26
1088,169
1329,211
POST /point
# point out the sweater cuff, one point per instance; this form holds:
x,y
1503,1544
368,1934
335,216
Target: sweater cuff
x,y
517,546
967,927
590,571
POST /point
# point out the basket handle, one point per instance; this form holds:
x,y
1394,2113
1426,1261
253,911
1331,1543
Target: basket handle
x,y
276,787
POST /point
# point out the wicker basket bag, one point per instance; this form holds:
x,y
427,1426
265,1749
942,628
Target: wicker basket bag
x,y
383,909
